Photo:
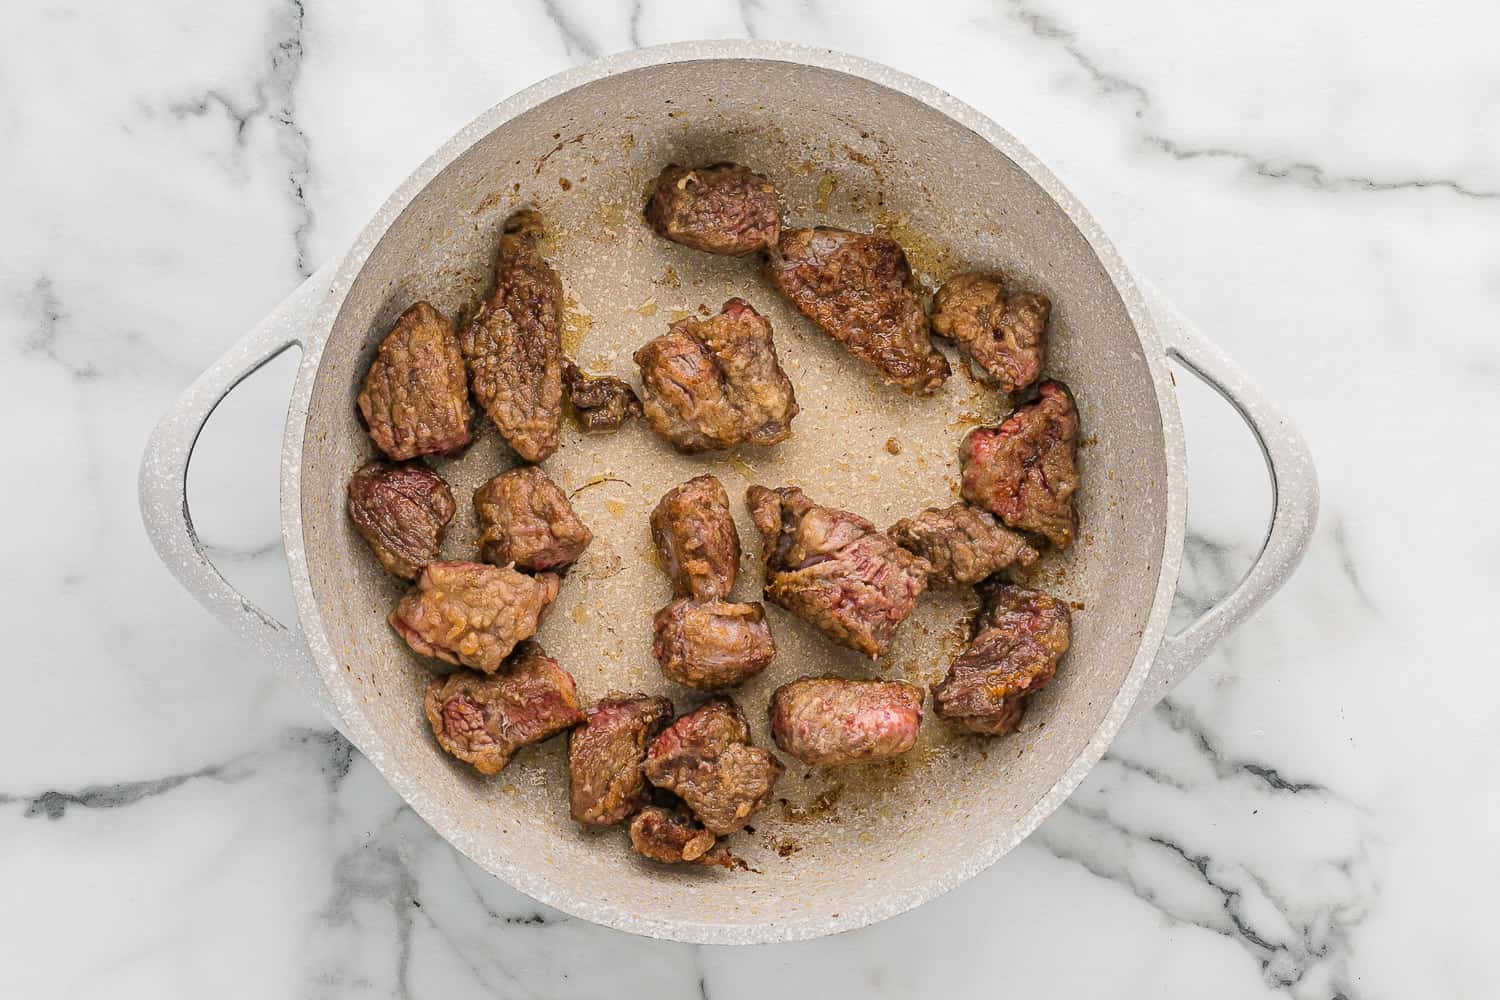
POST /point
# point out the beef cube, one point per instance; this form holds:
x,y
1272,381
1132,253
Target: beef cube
x,y
526,520
860,291
414,399
672,836
832,569
599,403
483,719
964,544
472,613
705,758
716,382
696,539
1025,471
825,721
604,757
513,346
998,329
1018,638
721,208
713,644
402,511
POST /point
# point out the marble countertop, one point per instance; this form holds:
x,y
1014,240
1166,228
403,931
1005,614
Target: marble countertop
x,y
1313,814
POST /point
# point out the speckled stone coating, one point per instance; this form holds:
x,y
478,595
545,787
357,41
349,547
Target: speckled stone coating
x,y
850,143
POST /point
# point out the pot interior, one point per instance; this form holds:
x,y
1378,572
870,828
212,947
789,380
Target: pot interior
x,y
842,846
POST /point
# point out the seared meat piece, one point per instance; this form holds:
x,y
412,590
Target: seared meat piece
x,y
829,720
402,511
415,400
696,539
600,403
833,569
1018,639
514,343
999,331
721,208
673,837
472,613
714,644
964,544
860,290
525,519
484,719
1024,471
604,757
716,382
705,758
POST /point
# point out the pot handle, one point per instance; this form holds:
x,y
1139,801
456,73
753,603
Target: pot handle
x,y
1294,504
163,490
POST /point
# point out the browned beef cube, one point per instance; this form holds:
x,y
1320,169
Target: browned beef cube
x,y
483,719
414,399
605,754
402,512
472,613
721,208
1018,639
712,644
859,289
832,569
1025,471
964,544
514,344
526,520
830,720
716,382
705,758
999,329
672,836
600,403
696,539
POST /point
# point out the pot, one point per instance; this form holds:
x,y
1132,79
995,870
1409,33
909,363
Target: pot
x,y
850,143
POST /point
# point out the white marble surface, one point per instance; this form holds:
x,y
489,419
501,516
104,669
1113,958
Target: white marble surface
x,y
1312,815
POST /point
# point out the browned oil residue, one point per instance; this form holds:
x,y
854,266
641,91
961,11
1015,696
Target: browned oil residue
x,y
825,806
1088,442
677,315
542,161
565,184
669,278
931,260
489,201
597,481
627,141
1077,606
647,308
786,846
741,466
826,188
615,507
576,325
893,446
858,157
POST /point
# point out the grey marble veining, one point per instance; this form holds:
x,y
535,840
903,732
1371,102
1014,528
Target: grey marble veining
x,y
1317,185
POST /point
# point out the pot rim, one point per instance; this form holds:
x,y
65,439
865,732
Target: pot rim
x,y
550,887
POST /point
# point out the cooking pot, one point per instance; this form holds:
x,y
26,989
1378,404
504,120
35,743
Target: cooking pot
x,y
849,143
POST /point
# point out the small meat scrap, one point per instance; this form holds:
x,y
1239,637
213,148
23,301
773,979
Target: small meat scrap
x,y
472,613
402,511
834,570
672,836
599,402
712,644
999,329
696,539
1018,638
415,400
1024,471
604,757
859,289
706,759
716,382
526,520
825,721
964,544
513,346
721,208
483,719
